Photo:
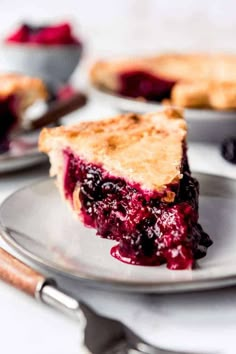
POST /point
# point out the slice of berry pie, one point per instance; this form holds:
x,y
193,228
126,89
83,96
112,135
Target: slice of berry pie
x,y
185,80
128,177
17,93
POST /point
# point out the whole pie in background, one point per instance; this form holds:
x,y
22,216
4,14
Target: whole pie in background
x,y
128,177
185,80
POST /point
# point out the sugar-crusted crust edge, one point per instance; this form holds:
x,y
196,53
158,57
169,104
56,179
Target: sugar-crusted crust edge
x,y
11,84
120,143
71,131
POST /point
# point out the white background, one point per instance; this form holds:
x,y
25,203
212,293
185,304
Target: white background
x,y
120,26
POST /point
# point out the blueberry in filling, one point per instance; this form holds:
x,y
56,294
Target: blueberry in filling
x,y
139,83
148,230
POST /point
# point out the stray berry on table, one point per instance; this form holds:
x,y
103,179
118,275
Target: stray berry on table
x,y
228,150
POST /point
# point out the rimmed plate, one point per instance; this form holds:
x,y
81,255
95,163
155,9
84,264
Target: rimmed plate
x,y
45,232
204,124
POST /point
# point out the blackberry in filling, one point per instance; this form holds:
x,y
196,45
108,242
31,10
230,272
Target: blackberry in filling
x,y
139,83
148,230
9,119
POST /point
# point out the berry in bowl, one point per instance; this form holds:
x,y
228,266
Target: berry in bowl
x,y
51,52
47,35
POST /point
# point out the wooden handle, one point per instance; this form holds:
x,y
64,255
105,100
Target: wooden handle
x,y
18,274
59,110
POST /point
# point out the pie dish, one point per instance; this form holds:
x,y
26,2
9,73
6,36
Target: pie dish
x,y
17,93
185,80
128,177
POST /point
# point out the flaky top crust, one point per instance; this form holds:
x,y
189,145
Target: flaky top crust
x,y
145,149
202,80
14,84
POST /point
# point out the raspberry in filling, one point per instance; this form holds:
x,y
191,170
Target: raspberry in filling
x,y
140,83
148,230
60,34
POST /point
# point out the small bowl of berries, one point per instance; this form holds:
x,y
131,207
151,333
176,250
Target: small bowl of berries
x,y
51,52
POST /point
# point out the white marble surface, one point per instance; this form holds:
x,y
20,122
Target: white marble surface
x,y
204,321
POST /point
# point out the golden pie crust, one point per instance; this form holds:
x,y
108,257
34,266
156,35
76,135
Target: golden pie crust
x,y
202,80
145,149
28,89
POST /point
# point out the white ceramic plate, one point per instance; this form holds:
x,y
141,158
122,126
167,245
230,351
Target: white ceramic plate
x,y
203,124
48,234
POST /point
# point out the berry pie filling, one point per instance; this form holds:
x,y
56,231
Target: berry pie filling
x,y
9,119
60,34
139,83
148,228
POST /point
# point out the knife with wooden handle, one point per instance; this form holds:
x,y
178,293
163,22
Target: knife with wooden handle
x,y
33,283
101,335
58,110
